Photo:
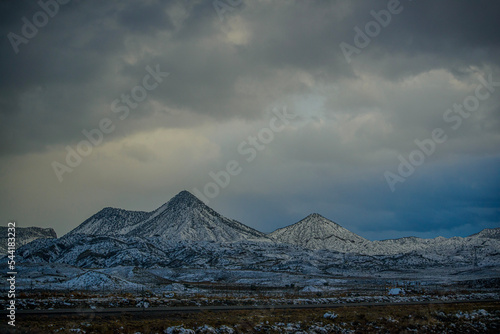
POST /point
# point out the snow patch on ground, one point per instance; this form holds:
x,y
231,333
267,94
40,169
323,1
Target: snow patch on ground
x,y
396,291
95,281
330,315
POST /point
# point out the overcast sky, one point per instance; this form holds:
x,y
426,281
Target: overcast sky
x,y
174,90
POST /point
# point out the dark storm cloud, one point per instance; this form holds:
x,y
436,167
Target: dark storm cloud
x,y
227,72
85,43
459,33
70,60
145,17
452,195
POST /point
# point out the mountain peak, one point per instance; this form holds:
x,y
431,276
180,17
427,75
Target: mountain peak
x,y
186,217
317,232
186,199
183,217
315,216
184,194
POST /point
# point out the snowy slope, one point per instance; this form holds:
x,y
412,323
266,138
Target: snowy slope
x,y
185,233
185,217
93,280
317,232
158,252
24,235
97,251
491,233
110,221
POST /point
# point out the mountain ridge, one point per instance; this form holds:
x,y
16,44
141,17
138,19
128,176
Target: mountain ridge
x,y
186,233
185,217
188,217
25,235
317,232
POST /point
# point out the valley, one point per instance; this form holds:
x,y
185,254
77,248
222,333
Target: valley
x,y
186,255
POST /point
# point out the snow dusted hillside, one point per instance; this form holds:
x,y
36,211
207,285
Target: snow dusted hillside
x,y
491,233
24,235
157,252
185,233
93,280
111,221
317,232
437,245
184,217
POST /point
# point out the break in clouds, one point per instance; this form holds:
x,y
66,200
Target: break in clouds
x,y
393,111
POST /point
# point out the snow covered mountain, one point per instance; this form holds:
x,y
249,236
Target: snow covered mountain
x,y
317,232
185,233
111,221
492,233
86,251
184,217
24,235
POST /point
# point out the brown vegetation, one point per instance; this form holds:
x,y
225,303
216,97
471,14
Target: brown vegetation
x,y
433,318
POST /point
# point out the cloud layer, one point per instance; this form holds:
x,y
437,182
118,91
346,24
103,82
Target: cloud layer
x,y
229,67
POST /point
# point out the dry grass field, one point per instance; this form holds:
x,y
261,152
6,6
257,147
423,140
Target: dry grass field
x,y
481,317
